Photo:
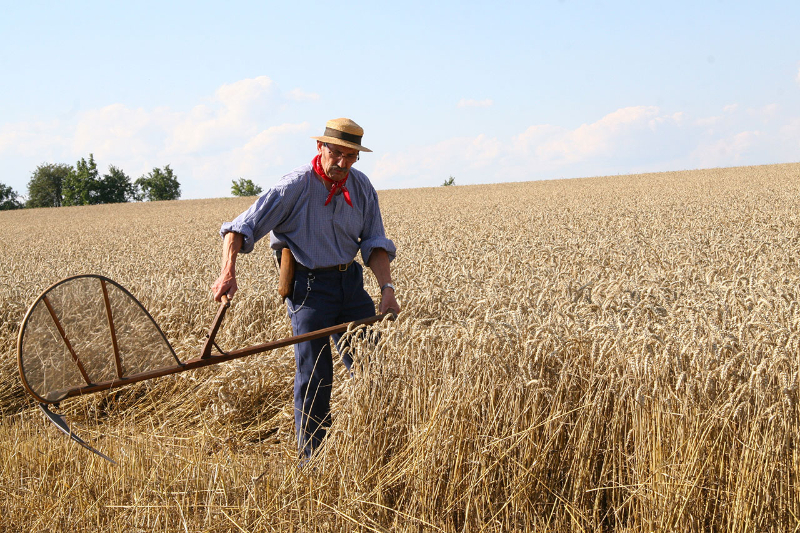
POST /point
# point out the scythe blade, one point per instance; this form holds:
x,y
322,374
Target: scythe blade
x,y
61,424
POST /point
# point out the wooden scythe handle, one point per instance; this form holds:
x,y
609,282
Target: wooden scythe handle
x,y
212,331
229,356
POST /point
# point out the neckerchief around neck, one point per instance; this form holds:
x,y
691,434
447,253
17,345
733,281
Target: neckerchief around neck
x,y
336,184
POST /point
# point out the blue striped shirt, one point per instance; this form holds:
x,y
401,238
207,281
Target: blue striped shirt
x,y
318,235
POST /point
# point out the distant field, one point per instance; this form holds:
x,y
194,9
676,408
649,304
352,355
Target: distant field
x,y
616,353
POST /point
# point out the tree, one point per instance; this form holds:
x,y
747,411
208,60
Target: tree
x,y
45,185
449,181
82,186
245,187
158,185
115,187
8,198
57,185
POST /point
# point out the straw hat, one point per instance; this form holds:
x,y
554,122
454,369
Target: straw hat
x,y
344,132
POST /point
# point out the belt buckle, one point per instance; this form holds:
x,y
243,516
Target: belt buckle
x,y
343,267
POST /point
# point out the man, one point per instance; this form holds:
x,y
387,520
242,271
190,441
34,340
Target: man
x,y
324,212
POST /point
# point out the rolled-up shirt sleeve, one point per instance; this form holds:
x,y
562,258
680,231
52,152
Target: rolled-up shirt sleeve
x,y
266,213
373,235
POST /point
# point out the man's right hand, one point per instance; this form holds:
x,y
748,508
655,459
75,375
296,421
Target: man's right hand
x,y
225,284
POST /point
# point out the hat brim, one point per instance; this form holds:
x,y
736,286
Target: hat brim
x,y
340,142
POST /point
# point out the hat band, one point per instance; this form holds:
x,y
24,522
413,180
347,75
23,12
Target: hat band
x,y
349,137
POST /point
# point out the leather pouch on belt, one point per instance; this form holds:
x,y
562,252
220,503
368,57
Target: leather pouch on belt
x,y
286,280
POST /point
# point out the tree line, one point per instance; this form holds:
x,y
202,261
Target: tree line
x,y
56,185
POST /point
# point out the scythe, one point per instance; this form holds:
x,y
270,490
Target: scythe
x,y
87,333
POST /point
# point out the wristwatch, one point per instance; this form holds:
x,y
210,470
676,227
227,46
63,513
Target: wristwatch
x,y
387,286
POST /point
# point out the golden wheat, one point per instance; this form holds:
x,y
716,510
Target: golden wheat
x,y
614,353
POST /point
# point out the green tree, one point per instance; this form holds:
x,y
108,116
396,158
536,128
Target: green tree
x,y
449,181
45,185
158,185
115,187
8,198
245,187
82,187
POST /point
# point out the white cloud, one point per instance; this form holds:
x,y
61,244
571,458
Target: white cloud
x,y
708,121
599,137
233,115
727,151
232,133
237,132
243,92
32,139
764,113
299,95
628,140
464,102
527,142
675,118
117,131
269,148
235,112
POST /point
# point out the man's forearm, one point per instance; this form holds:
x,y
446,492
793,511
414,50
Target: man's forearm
x,y
226,282
231,245
379,263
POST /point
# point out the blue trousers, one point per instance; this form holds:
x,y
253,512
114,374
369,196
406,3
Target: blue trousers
x,y
321,299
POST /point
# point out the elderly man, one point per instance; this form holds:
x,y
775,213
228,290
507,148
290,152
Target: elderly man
x,y
324,212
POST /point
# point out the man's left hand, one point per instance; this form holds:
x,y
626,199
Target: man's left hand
x,y
388,301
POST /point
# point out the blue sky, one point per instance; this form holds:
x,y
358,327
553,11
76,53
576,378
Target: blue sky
x,y
485,92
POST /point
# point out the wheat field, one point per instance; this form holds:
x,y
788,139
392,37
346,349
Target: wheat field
x,y
603,354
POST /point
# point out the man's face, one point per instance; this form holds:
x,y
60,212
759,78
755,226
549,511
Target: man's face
x,y
336,160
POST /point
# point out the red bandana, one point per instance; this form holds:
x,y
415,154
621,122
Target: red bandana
x,y
336,184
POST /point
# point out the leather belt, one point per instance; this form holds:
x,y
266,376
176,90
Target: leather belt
x,y
341,268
